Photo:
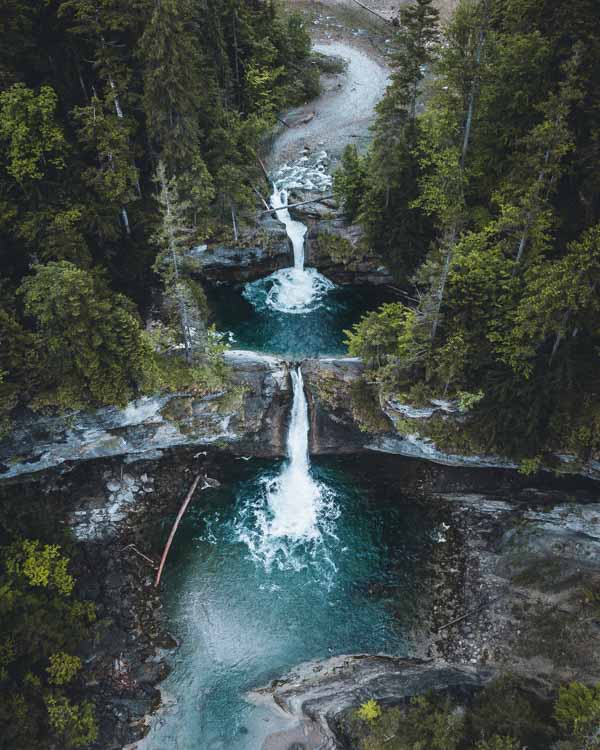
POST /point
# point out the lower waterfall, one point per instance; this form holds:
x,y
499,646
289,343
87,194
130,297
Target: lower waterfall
x,y
295,512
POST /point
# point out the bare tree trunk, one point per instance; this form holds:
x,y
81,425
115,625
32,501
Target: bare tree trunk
x,y
125,216
439,296
182,510
529,217
234,222
235,50
181,302
472,97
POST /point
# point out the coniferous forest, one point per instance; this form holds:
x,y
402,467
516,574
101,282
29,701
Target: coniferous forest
x,y
481,192
386,473
129,132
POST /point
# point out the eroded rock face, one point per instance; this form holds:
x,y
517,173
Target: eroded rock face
x,y
363,268
262,251
347,415
249,416
525,560
328,385
323,694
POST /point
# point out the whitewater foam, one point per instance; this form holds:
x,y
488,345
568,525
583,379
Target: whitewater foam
x,y
292,515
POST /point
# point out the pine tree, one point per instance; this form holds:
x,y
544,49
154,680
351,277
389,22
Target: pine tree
x,y
172,84
174,238
90,339
395,228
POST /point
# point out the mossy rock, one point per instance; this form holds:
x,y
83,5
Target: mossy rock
x,y
366,408
177,409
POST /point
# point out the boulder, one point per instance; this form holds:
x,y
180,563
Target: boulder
x,y
325,693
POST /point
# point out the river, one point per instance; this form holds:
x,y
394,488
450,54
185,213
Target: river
x,y
291,560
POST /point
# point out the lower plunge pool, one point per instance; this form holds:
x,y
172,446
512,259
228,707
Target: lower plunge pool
x,y
266,573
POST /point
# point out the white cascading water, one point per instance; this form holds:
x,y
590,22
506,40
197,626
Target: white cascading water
x,y
290,290
294,509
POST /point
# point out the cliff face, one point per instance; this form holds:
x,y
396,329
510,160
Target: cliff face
x,y
262,250
250,416
349,415
321,696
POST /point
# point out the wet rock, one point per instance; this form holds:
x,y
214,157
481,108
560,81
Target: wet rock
x,y
260,251
249,415
362,267
328,383
326,692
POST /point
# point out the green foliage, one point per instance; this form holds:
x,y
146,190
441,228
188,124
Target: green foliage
x,y
93,96
338,248
349,181
426,724
577,711
466,401
369,711
507,709
91,339
42,623
74,724
387,337
478,178
505,715
498,743
396,227
63,668
28,126
530,466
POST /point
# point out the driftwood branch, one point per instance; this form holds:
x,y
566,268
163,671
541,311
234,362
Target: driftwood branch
x,y
133,548
264,169
207,483
261,196
320,199
469,612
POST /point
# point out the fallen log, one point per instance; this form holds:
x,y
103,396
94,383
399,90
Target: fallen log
x,y
374,12
207,483
261,196
264,169
302,203
133,548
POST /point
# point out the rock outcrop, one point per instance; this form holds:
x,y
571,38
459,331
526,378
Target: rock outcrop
x,y
515,574
320,695
329,390
349,415
250,415
361,268
261,251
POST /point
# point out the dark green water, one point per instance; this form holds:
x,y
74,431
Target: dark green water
x,y
310,334
248,605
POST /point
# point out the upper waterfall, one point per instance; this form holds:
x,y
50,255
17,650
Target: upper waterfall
x,y
290,290
296,230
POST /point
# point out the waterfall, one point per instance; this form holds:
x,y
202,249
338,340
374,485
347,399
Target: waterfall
x,y
296,289
293,510
296,230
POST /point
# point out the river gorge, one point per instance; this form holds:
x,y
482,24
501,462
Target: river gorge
x,y
340,554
